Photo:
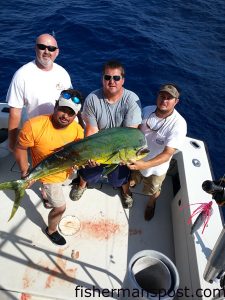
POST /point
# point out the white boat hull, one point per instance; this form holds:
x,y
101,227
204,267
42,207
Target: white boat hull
x,y
96,257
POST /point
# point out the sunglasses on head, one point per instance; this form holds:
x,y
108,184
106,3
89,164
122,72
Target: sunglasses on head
x,y
115,77
43,47
68,96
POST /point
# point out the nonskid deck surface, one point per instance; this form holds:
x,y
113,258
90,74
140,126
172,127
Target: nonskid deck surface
x,y
96,256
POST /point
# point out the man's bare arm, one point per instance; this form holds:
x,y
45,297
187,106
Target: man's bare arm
x,y
13,126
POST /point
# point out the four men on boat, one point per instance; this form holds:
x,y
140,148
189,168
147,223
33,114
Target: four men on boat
x,y
39,83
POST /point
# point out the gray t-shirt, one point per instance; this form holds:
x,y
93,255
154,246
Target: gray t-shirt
x,y
124,113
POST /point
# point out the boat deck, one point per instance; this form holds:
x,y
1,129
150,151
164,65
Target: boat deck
x,y
96,256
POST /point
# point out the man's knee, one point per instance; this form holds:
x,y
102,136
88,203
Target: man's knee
x,y
55,195
59,209
153,185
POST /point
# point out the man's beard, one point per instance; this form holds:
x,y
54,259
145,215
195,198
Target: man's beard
x,y
45,62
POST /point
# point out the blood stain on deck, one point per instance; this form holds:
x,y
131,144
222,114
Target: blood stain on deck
x,y
26,281
75,254
28,277
25,297
101,229
133,231
60,273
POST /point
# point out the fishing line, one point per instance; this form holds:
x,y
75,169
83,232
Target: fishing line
x,y
221,179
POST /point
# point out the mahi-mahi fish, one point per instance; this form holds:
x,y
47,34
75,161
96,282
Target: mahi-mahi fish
x,y
109,147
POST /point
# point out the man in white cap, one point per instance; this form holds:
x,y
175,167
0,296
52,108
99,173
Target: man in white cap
x,y
43,135
165,130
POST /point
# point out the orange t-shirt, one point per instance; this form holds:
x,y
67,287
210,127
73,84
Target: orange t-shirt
x,y
43,139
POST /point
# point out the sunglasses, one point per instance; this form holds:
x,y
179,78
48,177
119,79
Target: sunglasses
x,y
43,47
115,77
68,96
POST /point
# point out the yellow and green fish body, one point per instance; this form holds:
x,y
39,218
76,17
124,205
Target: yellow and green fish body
x,y
109,147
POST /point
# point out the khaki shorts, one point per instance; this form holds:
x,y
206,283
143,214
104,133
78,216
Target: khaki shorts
x,y
54,194
151,184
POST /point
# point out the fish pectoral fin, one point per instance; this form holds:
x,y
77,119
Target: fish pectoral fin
x,y
108,169
112,155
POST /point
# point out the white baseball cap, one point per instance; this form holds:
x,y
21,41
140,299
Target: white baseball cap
x,y
68,100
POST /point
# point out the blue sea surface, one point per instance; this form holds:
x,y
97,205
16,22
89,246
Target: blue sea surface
x,y
158,41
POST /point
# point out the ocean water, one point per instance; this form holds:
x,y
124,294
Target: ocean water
x,y
158,41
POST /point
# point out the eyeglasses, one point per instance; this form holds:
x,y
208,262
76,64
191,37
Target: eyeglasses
x,y
43,47
115,77
68,96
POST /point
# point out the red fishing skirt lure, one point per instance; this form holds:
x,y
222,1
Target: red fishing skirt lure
x,y
204,212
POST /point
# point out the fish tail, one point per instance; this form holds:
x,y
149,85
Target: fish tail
x,y
19,187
